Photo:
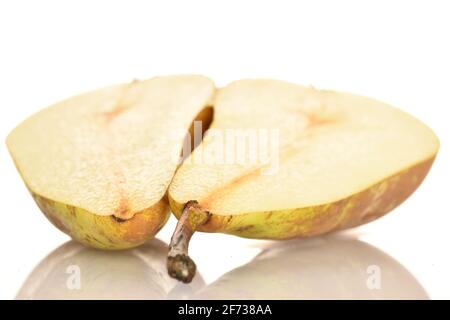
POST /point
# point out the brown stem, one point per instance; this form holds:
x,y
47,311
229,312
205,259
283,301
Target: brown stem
x,y
179,265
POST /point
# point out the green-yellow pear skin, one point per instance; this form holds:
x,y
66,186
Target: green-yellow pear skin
x,y
105,232
352,211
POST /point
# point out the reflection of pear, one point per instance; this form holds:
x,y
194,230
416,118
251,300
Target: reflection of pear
x,y
134,274
332,267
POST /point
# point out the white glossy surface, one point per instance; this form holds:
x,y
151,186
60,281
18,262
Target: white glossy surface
x,y
396,52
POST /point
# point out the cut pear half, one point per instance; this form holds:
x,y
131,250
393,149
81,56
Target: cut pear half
x,y
303,162
99,164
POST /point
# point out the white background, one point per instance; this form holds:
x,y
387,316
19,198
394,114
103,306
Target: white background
x,y
396,51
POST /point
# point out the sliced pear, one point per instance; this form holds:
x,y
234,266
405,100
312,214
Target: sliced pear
x,y
338,160
99,164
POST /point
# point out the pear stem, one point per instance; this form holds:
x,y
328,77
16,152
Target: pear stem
x,y
179,265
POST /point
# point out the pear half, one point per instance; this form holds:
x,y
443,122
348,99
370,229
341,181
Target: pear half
x,y
99,164
332,161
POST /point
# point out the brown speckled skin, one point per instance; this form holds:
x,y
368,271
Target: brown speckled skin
x,y
105,232
352,211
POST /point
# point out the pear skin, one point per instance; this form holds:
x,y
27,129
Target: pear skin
x,y
358,209
105,232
